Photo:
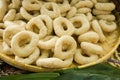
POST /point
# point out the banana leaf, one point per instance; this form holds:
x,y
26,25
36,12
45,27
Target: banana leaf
x,y
101,71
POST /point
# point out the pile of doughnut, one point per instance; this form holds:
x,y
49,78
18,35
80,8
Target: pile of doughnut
x,y
55,33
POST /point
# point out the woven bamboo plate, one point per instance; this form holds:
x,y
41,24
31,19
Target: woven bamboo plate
x,y
110,45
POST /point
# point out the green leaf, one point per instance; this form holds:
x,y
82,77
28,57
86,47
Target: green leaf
x,y
32,76
98,72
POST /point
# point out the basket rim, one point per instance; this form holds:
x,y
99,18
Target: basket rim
x,y
33,68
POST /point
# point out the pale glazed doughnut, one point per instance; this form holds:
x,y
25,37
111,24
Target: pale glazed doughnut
x,y
89,37
47,22
89,16
15,4
108,26
81,24
51,9
6,49
65,47
3,9
64,7
91,48
105,6
26,15
85,3
96,27
24,43
10,16
32,4
30,59
81,59
63,26
100,12
54,62
37,26
18,16
9,32
83,10
108,17
48,42
71,12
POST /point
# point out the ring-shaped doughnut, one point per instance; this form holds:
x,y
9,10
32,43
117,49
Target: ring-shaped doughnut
x,y
89,37
3,9
30,59
51,9
71,12
6,49
107,26
65,47
47,22
105,6
85,3
54,62
108,17
81,59
37,26
89,16
9,32
100,12
83,10
96,27
10,16
63,26
32,4
80,23
15,4
91,48
64,7
48,42
24,43
26,15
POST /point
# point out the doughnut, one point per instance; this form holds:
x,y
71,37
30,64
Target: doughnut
x,y
37,26
51,9
64,7
100,12
47,22
85,3
108,17
18,16
6,49
97,28
30,5
81,24
90,36
65,47
83,10
30,59
63,26
71,12
24,43
48,42
89,16
90,48
9,32
107,26
15,4
105,6
81,59
26,15
54,62
3,9
10,16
